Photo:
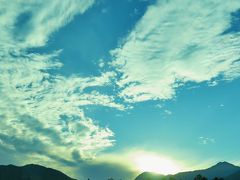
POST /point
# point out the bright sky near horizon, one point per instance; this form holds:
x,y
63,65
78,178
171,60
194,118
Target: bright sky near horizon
x,y
86,85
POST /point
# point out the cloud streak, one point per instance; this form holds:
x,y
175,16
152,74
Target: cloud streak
x,y
174,42
29,24
177,42
206,140
40,109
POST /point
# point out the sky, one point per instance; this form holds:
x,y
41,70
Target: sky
x,y
107,88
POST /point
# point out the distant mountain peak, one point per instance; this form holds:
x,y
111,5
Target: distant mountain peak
x,y
223,164
222,169
31,172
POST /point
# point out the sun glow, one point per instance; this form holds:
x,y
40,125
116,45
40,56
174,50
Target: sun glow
x,y
154,163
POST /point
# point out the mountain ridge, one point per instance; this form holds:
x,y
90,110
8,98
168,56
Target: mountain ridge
x,y
224,170
31,172
220,170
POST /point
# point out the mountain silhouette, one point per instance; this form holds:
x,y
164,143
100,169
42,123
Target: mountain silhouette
x,y
149,176
234,176
30,172
221,170
36,172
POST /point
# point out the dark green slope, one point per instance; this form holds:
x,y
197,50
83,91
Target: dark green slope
x,y
235,176
30,172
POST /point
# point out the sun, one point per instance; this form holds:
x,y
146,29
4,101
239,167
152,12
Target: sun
x,y
146,162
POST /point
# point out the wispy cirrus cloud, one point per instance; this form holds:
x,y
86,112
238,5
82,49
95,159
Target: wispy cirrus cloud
x,y
29,92
29,24
177,42
206,140
40,109
173,43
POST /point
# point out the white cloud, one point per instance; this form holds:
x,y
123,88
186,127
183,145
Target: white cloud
x,y
39,19
168,112
206,140
31,96
40,110
159,106
169,46
176,42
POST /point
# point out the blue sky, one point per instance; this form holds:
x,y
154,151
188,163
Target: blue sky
x,y
95,80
